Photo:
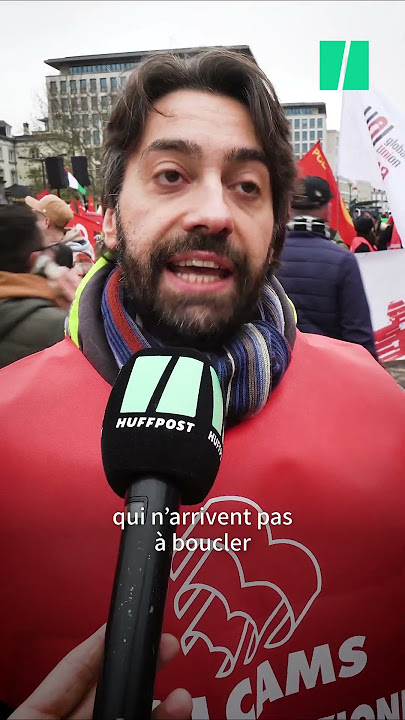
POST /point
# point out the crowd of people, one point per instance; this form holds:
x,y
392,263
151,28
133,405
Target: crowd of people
x,y
208,243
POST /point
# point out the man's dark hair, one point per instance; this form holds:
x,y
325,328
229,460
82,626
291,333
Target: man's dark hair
x,y
363,226
19,237
220,72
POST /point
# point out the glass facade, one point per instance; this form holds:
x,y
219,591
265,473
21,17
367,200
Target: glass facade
x,y
114,67
103,84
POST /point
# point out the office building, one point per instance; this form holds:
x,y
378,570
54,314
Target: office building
x,y
87,88
308,125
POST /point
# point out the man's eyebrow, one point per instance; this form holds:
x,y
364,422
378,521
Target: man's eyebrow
x,y
245,154
183,146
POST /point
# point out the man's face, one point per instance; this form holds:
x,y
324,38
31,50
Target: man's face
x,y
195,218
43,225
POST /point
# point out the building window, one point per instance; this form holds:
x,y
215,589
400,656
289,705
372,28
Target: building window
x,y
113,84
104,102
94,102
86,137
96,137
83,86
304,123
53,87
85,120
296,147
93,85
296,123
1,153
83,103
11,156
319,135
75,121
312,123
304,135
312,135
95,120
123,81
54,106
103,84
73,86
296,135
75,104
1,175
65,105
63,87
304,147
320,121
114,100
13,177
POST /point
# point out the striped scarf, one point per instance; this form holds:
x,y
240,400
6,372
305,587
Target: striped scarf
x,y
311,224
249,368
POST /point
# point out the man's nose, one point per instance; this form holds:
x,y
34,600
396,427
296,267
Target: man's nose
x,y
210,211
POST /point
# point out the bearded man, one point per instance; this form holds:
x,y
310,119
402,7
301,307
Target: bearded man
x,y
308,622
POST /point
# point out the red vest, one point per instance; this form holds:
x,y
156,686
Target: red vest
x,y
357,241
307,622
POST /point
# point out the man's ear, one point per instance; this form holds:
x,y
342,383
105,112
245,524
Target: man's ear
x,y
110,229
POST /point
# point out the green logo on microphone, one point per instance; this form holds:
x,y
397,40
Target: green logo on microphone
x,y
179,394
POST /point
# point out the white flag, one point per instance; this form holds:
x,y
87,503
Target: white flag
x,y
372,147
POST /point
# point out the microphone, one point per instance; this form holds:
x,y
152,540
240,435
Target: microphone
x,y
161,447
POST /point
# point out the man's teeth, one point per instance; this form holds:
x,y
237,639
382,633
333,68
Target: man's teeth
x,y
198,263
197,278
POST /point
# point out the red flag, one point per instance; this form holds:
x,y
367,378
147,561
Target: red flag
x,y
315,163
42,194
88,227
90,204
395,243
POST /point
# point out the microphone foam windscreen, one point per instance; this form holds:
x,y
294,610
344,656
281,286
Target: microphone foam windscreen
x,y
164,418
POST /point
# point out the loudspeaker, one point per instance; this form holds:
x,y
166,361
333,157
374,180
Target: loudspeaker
x,y
56,173
79,170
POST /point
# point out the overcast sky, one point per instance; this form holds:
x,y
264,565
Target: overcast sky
x,y
284,38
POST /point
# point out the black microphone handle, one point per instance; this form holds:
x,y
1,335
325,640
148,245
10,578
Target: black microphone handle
x,y
126,685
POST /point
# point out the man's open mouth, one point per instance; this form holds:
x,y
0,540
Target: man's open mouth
x,y
200,268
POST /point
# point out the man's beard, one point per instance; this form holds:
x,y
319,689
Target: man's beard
x,y
193,320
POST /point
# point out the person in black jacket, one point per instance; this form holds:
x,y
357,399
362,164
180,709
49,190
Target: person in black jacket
x,y
31,318
322,278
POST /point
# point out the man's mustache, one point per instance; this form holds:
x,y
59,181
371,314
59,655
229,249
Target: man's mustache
x,y
193,242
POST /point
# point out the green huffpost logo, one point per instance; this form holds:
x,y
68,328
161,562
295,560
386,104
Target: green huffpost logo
x,y
331,64
179,393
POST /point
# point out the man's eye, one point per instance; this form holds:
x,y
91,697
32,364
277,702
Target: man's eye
x,y
169,177
249,188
